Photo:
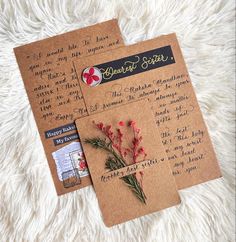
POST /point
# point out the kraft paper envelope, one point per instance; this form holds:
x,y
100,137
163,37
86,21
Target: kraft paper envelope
x,y
127,162
54,93
155,69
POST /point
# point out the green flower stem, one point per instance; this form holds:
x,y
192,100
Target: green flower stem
x,y
116,162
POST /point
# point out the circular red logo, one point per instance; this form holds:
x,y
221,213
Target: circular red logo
x,y
92,76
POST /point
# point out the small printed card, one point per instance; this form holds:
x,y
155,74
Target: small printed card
x,y
154,69
127,162
70,163
54,93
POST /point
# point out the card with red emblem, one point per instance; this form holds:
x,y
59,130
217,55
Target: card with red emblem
x,y
127,162
155,69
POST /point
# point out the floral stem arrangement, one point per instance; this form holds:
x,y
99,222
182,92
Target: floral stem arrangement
x,y
118,155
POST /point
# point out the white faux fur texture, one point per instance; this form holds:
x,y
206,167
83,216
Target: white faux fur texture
x,y
29,207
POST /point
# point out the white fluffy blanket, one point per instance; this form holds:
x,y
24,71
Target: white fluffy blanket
x,y
29,207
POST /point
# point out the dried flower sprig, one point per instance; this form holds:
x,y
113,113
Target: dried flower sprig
x,y
113,144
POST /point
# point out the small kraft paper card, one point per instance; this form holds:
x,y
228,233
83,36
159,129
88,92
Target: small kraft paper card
x,y
155,69
54,93
127,162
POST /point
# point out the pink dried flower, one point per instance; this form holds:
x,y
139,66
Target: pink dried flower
x,y
141,150
121,123
131,123
135,151
116,140
99,125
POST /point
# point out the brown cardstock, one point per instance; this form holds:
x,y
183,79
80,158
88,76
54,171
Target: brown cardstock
x,y
163,79
116,200
50,81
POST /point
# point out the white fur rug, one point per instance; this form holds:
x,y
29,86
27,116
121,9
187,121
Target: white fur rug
x,y
29,207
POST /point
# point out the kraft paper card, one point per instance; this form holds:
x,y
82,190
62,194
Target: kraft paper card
x,y
54,93
155,69
127,162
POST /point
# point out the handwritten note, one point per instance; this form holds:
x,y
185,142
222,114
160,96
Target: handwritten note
x,y
131,169
127,186
52,85
155,70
